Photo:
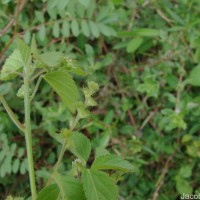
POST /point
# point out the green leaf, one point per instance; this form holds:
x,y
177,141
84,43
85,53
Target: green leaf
x,y
85,2
15,166
64,86
70,187
85,28
100,151
80,146
34,49
65,28
111,161
143,32
75,28
39,15
183,186
12,65
51,59
94,29
56,29
98,185
134,44
42,33
106,30
24,51
50,192
194,78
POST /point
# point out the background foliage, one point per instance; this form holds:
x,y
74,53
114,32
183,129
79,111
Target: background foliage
x,y
145,56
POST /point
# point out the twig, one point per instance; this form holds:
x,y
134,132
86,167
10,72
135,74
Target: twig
x,y
162,177
19,8
11,114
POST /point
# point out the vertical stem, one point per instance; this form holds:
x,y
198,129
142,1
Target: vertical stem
x,y
28,136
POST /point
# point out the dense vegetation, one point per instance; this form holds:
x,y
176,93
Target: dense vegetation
x,y
144,55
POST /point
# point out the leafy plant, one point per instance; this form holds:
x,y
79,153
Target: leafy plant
x,y
82,181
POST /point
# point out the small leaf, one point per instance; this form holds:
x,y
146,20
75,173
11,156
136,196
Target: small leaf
x,y
111,161
51,59
65,28
75,28
85,28
42,33
64,86
12,65
85,2
39,15
106,30
56,29
94,29
24,51
80,146
98,185
50,192
194,78
134,44
15,166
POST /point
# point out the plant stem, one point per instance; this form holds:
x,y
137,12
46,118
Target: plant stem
x,y
36,87
11,114
72,126
28,136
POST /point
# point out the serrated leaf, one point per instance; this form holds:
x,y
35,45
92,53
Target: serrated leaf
x,y
24,51
94,29
194,78
78,71
70,187
75,28
65,28
56,30
51,59
85,28
80,146
134,44
12,65
64,86
98,185
100,151
113,162
50,192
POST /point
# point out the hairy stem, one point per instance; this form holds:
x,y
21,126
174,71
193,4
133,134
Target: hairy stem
x,y
28,136
11,114
36,87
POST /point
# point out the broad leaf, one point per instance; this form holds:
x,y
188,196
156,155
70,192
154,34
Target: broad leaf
x,y
70,187
80,146
134,44
64,86
194,78
51,59
24,51
50,192
12,65
111,161
98,185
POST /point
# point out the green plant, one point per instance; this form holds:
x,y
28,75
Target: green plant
x,y
83,181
